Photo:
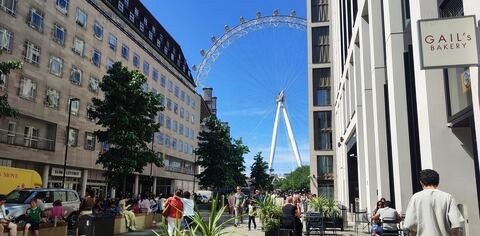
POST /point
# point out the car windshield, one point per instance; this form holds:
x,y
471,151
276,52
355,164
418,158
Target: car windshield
x,y
18,196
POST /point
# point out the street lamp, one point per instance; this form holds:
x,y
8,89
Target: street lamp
x,y
67,139
194,166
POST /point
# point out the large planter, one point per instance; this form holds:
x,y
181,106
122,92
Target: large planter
x,y
333,222
272,232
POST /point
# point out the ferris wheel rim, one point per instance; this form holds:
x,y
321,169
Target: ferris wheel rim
x,y
240,30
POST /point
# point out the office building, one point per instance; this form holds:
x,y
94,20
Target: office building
x,y
66,48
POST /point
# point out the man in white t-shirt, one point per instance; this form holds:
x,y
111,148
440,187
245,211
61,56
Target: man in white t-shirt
x,y
431,211
387,213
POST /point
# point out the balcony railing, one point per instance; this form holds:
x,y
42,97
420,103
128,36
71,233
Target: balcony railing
x,y
19,139
325,176
187,171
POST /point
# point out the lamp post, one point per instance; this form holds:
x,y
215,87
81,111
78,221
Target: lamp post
x,y
68,136
194,166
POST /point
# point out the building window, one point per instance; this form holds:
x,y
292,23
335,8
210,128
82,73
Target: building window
x,y
93,85
459,88
79,46
174,144
175,126
35,19
320,45
150,35
450,8
109,65
73,137
321,87
55,66
98,31
28,89
169,104
6,40
187,115
112,42
32,53
76,76
96,57
145,87
326,190
155,74
176,91
322,127
136,11
58,34
162,100
9,6
81,18
162,80
62,6
182,112
146,68
126,2
11,133
325,167
120,6
188,100
319,10
131,17
159,43
125,51
186,131
89,107
182,96
160,138
3,81
170,86
136,60
168,123
30,137
89,141
175,108
52,98
160,119
75,106
142,27
167,141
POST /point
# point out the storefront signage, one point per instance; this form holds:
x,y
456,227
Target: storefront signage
x,y
448,42
68,173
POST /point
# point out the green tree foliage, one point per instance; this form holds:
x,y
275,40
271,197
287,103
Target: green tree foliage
x,y
258,170
299,179
127,117
221,157
5,68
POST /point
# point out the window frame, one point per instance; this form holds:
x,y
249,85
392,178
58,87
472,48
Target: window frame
x,y
11,11
55,36
76,41
80,72
6,42
115,40
63,10
98,34
32,53
33,90
88,146
125,52
136,58
58,60
99,56
33,11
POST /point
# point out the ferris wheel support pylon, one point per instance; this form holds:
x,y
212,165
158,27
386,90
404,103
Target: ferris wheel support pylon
x,y
281,106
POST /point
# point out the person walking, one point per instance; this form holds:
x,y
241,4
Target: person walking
x,y
431,211
188,211
174,210
252,212
239,203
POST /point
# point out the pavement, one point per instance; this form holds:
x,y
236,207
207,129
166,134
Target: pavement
x,y
243,230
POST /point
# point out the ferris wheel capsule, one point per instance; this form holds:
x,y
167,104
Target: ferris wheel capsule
x,y
275,12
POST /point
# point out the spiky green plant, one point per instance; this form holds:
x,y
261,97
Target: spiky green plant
x,y
270,213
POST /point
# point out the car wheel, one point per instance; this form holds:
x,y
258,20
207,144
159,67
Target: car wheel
x,y
72,220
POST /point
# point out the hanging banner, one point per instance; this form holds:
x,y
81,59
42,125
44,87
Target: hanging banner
x,y
448,42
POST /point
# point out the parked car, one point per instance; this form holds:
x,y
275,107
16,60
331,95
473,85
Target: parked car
x,y
18,201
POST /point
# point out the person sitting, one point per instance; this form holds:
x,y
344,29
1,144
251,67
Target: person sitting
x,y
387,213
57,213
33,218
5,221
129,215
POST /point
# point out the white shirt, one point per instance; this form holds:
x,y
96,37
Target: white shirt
x,y
433,212
3,214
390,214
188,205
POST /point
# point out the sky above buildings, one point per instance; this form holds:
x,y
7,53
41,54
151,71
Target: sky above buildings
x,y
249,73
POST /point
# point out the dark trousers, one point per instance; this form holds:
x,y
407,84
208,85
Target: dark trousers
x,y
250,220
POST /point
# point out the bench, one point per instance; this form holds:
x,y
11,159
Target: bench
x,y
45,229
143,221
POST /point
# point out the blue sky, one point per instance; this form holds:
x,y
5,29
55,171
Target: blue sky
x,y
250,72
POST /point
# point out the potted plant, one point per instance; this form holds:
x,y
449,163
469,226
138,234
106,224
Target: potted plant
x,y
270,214
329,211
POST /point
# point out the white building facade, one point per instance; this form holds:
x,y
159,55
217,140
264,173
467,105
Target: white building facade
x,y
391,118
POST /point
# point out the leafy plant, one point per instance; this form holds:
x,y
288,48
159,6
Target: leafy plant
x,y
324,205
5,68
270,213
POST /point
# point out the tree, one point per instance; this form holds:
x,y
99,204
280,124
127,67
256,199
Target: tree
x,y
127,116
299,179
5,68
258,170
221,157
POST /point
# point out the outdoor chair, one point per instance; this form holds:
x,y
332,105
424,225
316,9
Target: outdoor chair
x,y
314,224
287,226
387,232
361,221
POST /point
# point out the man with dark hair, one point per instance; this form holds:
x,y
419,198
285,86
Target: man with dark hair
x,y
385,214
431,211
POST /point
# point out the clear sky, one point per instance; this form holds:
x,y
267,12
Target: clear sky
x,y
250,72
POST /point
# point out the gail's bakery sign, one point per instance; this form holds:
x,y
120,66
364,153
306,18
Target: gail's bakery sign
x,y
448,42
